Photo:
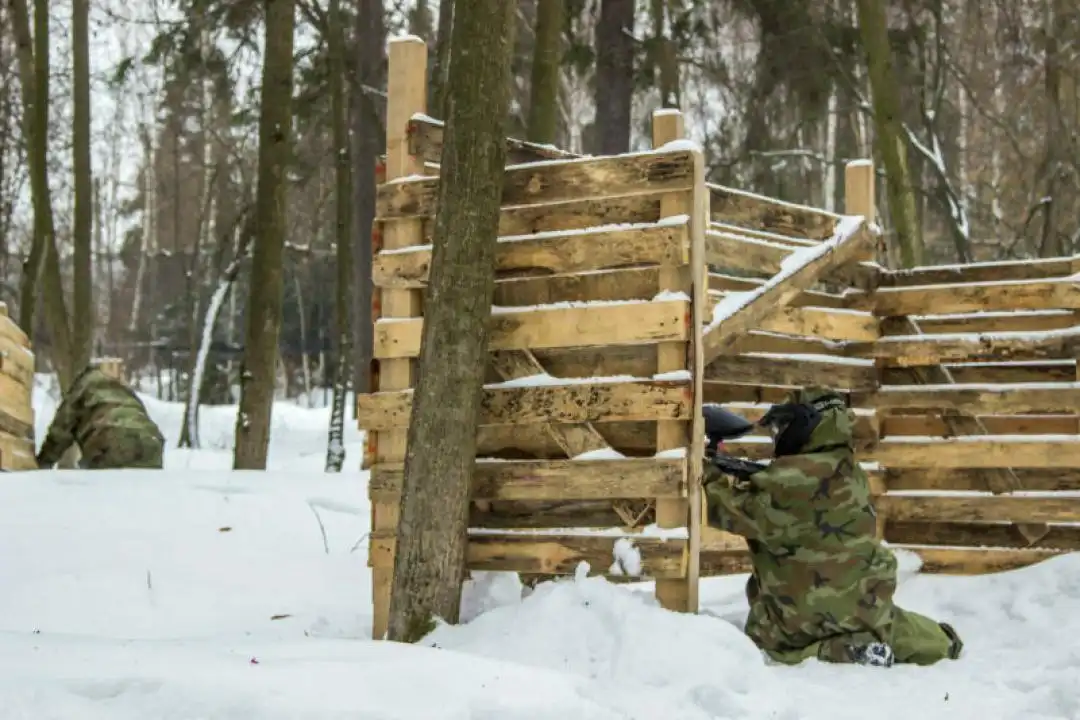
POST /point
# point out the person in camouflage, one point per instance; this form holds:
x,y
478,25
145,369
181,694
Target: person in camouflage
x,y
822,585
108,422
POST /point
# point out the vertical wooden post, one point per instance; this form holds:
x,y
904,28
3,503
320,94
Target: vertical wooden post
x,y
678,594
406,96
859,199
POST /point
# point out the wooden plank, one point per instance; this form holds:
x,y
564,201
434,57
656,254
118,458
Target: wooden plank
x,y
556,479
554,554
960,479
574,214
730,251
1025,321
594,324
965,534
741,317
647,173
633,360
720,281
979,508
838,326
979,272
16,453
426,140
945,426
15,400
990,297
524,442
918,350
761,369
785,240
567,251
574,439
975,399
771,343
622,285
643,400
16,360
1008,373
977,453
628,515
737,207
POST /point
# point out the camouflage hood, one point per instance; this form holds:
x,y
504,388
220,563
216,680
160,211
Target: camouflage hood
x,y
811,420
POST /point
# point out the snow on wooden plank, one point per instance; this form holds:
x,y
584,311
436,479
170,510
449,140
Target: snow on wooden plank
x,y
722,282
932,425
741,208
552,553
740,313
980,272
979,508
647,173
982,322
784,240
960,479
732,251
921,350
815,322
556,479
977,399
426,139
566,251
988,372
569,325
596,402
990,296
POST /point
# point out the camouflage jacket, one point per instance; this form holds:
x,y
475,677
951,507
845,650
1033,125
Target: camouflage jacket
x,y
95,407
818,571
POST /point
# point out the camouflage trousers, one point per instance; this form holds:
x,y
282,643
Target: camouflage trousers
x,y
914,638
121,449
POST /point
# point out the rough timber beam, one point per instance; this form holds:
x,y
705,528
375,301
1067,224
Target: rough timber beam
x,y
750,311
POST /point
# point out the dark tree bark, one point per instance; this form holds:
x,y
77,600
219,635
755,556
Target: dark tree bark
x,y
429,560
265,296
437,89
370,137
82,300
544,90
335,449
614,90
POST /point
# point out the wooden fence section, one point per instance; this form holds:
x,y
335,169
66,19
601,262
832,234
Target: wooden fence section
x,y
592,412
629,292
16,389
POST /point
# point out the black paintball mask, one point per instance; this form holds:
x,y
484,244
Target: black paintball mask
x,y
791,424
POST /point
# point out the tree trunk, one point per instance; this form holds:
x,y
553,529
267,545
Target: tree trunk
x,y
429,560
891,139
614,77
82,326
335,447
265,296
547,56
41,272
437,89
370,138
1051,243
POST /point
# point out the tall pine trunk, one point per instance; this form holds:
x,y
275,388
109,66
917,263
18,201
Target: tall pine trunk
x,y
265,296
83,298
614,77
369,136
429,560
41,271
547,56
437,90
891,138
335,447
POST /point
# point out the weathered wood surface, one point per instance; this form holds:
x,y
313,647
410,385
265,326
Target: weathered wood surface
x,y
556,479
815,322
557,554
722,282
979,272
1020,321
789,372
648,173
988,297
736,207
981,400
778,293
918,350
567,251
643,400
732,251
970,534
980,508
963,479
426,140
621,324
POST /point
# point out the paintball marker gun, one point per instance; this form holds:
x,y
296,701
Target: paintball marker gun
x,y
722,425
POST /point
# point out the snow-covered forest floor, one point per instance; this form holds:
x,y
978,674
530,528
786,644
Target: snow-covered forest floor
x,y
204,593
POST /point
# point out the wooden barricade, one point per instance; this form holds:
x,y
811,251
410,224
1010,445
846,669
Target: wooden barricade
x,y
629,292
16,393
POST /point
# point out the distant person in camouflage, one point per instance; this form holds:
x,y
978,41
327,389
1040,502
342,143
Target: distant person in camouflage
x,y
822,585
108,422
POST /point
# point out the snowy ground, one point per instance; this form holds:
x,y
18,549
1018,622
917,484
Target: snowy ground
x,y
205,593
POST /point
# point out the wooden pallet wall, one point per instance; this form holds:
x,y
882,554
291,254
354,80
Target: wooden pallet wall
x,y
16,392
